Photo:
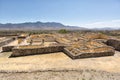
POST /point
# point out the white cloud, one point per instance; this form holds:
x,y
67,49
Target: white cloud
x,y
111,24
115,20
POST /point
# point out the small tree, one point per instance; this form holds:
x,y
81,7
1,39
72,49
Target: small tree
x,y
63,31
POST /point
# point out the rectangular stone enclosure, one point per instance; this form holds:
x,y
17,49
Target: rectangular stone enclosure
x,y
88,54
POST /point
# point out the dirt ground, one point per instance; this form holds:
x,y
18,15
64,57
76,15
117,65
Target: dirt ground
x,y
61,75
58,66
57,61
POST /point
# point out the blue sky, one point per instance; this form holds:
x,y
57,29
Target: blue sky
x,y
84,13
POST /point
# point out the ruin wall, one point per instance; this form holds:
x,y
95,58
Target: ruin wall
x,y
88,55
32,51
7,48
114,43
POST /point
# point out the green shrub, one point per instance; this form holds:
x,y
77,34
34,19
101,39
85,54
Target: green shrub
x,y
63,31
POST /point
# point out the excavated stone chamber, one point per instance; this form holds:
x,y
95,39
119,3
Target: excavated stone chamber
x,y
87,49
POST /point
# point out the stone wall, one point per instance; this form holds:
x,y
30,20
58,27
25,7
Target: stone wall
x,y
5,42
32,51
7,48
114,43
88,55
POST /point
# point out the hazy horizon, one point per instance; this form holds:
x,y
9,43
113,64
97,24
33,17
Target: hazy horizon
x,y
83,13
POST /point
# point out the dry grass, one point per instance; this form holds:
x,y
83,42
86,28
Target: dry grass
x,y
96,36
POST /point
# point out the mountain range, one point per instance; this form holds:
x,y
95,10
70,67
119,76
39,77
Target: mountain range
x,y
38,26
45,26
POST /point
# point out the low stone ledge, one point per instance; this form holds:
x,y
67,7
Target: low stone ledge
x,y
7,48
31,51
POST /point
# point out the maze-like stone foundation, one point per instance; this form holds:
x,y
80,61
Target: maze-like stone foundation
x,y
88,49
88,54
74,47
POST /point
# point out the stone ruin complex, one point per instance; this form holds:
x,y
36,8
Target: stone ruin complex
x,y
73,45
